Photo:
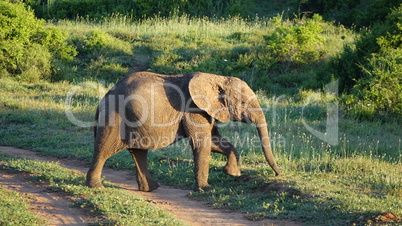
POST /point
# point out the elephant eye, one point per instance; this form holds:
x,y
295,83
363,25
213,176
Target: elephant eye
x,y
221,95
221,91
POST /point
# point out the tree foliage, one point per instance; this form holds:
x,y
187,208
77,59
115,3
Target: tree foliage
x,y
381,81
358,13
370,72
27,48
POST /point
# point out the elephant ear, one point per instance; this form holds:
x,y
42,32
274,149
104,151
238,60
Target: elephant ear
x,y
208,93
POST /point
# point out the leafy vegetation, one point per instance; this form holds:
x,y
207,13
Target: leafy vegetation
x,y
27,49
362,13
120,208
299,43
370,71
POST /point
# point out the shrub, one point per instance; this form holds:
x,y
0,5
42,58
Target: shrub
x,y
100,42
373,74
382,86
299,41
381,83
26,47
96,40
358,13
55,40
349,64
18,26
35,64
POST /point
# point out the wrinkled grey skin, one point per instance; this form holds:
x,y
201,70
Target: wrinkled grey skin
x,y
147,111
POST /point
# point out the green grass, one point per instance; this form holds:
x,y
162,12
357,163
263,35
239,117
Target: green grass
x,y
323,184
117,206
14,209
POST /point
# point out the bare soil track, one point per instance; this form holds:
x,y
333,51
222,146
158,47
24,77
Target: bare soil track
x,y
56,209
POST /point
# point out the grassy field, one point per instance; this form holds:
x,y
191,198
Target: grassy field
x,y
357,177
323,184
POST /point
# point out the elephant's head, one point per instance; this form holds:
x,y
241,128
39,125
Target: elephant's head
x,y
229,98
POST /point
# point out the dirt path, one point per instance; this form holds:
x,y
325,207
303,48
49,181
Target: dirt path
x,y
50,206
172,200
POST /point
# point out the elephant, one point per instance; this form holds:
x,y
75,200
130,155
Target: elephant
x,y
146,111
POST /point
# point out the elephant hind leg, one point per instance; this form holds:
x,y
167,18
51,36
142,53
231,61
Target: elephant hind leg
x,y
145,182
94,173
101,153
95,170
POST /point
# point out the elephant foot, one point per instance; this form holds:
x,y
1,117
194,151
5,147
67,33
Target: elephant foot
x,y
96,184
232,171
203,189
150,186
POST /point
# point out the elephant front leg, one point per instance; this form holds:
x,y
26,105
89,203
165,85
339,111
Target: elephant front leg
x,y
145,182
202,156
223,146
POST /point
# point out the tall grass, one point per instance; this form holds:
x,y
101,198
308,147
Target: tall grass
x,y
182,44
203,26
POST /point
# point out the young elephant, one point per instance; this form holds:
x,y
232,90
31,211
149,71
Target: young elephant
x,y
147,111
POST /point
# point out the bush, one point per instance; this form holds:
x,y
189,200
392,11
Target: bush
x,y
348,66
55,40
371,72
382,86
96,40
18,27
358,13
381,83
35,64
298,42
26,47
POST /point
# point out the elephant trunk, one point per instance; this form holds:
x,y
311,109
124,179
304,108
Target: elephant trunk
x,y
265,143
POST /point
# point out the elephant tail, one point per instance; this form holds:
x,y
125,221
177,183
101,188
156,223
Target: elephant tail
x,y
95,126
